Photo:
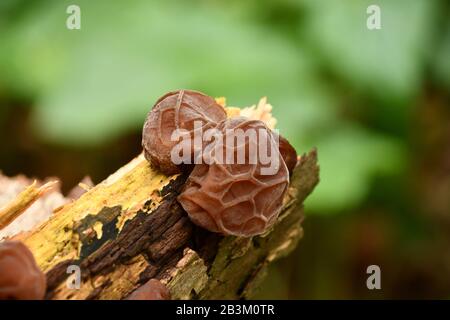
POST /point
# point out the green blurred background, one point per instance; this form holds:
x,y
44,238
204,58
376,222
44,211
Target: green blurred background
x,y
375,103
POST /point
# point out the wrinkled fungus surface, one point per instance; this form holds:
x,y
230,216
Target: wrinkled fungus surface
x,y
237,198
175,111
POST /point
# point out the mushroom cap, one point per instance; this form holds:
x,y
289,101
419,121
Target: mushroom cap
x,y
176,110
239,198
152,290
20,277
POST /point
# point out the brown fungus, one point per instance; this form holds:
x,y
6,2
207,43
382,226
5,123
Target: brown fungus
x,y
20,277
176,110
241,198
288,153
152,290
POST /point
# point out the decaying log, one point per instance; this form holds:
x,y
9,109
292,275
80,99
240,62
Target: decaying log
x,y
130,228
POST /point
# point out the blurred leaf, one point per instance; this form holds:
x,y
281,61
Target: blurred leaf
x,y
100,81
305,115
442,62
388,62
348,160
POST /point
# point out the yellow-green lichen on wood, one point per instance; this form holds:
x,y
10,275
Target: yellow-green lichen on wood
x,y
237,267
129,228
54,241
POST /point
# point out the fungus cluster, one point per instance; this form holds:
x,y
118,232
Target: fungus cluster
x,y
238,183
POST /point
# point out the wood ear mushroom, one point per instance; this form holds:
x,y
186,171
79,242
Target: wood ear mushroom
x,y
238,197
20,277
243,198
178,110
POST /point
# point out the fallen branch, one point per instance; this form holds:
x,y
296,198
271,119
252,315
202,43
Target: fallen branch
x,y
130,228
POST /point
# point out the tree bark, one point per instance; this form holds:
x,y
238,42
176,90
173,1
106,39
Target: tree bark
x,y
130,228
